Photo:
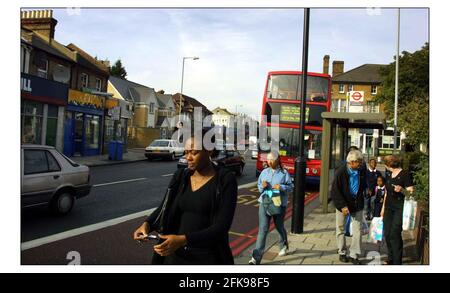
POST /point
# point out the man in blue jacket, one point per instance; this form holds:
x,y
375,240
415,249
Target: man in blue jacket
x,y
347,193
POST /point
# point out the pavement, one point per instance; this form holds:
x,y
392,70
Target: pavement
x,y
132,155
317,244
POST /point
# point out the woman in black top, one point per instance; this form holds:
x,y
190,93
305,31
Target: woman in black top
x,y
397,183
199,212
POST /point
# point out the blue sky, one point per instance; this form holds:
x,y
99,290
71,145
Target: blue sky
x,y
237,47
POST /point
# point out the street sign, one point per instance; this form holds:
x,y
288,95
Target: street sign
x,y
356,96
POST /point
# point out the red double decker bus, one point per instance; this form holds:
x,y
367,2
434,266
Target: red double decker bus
x,y
282,98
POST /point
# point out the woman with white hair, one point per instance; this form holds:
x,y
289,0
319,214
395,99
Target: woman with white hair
x,y
274,183
347,193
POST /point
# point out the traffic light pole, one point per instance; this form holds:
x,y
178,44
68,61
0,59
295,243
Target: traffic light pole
x,y
298,210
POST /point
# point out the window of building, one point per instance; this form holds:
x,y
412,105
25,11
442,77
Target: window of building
x,y
92,131
84,80
372,107
98,84
334,105
373,90
32,116
341,88
42,67
152,108
350,87
52,123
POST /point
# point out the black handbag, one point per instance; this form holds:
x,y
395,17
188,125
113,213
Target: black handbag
x,y
158,224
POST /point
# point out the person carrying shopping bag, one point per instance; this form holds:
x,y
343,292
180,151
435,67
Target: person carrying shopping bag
x,y
347,193
397,183
274,184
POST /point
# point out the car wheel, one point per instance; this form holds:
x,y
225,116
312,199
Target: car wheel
x,y
63,203
240,170
172,157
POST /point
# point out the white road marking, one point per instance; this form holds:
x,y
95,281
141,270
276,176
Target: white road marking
x,y
119,182
167,175
97,226
83,230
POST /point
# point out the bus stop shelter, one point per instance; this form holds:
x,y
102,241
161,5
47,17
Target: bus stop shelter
x,y
335,143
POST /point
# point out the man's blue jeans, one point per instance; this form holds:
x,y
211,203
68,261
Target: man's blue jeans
x,y
264,224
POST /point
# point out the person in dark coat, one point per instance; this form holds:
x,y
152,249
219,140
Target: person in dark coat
x,y
398,184
347,193
200,206
372,175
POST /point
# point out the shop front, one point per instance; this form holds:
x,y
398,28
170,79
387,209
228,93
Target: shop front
x,y
42,111
117,119
83,124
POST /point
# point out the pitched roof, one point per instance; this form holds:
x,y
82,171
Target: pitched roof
x,y
366,73
163,100
87,60
53,47
190,102
132,91
222,111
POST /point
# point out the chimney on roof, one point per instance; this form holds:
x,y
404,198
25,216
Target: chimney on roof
x,y
326,64
338,67
160,92
40,21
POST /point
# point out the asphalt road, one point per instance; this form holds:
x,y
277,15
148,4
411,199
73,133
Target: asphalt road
x,y
111,198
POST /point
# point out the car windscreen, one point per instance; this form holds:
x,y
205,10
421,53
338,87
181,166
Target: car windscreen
x,y
160,143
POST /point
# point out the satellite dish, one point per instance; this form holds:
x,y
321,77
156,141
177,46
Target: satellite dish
x,y
61,74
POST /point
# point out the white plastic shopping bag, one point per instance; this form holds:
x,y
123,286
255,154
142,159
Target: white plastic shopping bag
x,y
409,214
376,230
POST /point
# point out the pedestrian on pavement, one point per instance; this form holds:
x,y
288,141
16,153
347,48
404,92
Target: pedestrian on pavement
x,y
347,193
380,193
272,181
201,201
372,175
397,184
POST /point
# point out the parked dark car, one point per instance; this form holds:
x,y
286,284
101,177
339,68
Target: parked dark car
x,y
230,159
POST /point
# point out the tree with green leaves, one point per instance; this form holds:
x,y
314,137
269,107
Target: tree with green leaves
x,y
118,70
413,94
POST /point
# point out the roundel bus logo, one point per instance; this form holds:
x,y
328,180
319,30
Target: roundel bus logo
x,y
356,96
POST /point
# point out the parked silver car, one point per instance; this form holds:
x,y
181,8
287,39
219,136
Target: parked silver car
x,y
50,178
164,148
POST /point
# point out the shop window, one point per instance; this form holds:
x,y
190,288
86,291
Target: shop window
x,y
32,116
92,131
52,124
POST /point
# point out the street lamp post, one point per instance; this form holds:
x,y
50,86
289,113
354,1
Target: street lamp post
x,y
182,78
298,209
396,82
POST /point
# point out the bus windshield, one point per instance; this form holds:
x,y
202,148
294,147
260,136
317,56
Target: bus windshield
x,y
290,113
288,142
284,86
